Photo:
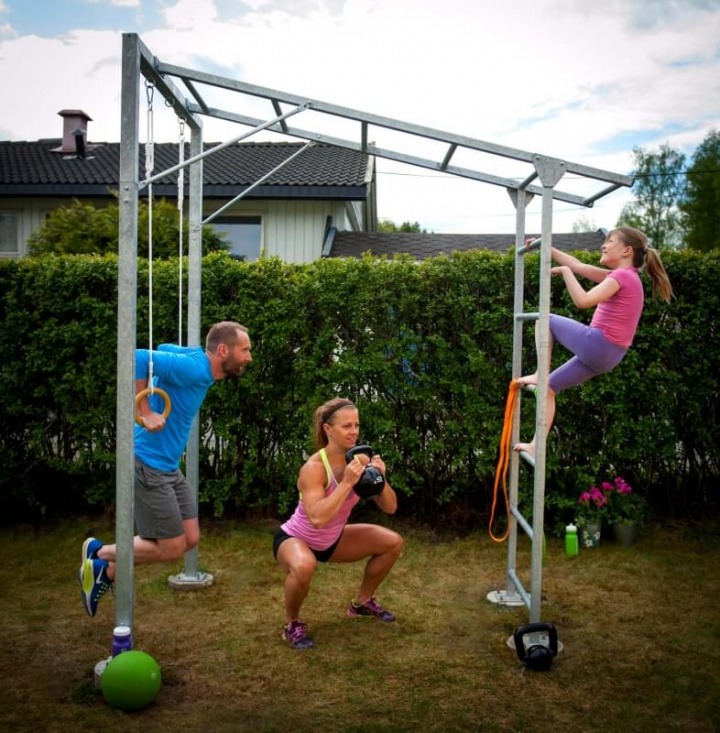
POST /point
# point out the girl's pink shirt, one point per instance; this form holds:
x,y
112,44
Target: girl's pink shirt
x,y
617,318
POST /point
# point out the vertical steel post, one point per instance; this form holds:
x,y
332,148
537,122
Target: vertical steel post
x,y
191,578
126,335
550,171
520,199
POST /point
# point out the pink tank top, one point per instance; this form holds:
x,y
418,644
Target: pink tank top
x,y
299,525
617,318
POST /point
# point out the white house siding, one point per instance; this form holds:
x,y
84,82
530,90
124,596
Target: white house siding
x,y
292,230
31,214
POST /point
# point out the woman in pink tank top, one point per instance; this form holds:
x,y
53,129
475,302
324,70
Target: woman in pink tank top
x,y
619,297
318,529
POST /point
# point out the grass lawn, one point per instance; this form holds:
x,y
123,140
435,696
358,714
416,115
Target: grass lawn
x,y
640,628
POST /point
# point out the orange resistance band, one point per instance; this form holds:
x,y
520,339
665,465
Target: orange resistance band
x,y
504,461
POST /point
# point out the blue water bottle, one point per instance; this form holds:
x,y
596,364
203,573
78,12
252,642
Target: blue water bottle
x,y
571,540
122,640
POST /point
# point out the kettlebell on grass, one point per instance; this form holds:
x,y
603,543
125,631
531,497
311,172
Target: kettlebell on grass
x,y
372,481
537,656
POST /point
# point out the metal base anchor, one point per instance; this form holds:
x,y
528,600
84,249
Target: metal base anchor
x,y
190,582
503,598
99,669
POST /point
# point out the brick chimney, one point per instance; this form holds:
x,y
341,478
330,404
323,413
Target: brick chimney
x,y
74,126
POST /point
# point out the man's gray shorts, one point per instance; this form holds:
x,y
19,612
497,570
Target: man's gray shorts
x,y
162,502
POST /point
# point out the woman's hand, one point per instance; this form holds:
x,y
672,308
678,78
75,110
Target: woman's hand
x,y
353,471
378,462
560,270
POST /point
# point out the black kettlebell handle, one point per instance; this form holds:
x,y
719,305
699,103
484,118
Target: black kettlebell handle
x,y
536,628
359,450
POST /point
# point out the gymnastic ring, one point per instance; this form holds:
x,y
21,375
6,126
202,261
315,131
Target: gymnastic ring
x,y
148,391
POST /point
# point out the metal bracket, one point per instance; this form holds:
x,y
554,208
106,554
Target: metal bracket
x,y
549,170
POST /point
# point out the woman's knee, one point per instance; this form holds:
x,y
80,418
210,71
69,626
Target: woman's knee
x,y
303,568
398,544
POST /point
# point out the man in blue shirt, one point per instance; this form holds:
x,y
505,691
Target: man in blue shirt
x,y
165,508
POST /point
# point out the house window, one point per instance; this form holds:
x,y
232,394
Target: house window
x,y
9,245
244,233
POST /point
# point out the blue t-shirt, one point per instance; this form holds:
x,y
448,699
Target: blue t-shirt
x,y
184,373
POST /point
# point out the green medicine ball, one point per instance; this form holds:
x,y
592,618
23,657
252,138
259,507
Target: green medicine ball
x,y
131,680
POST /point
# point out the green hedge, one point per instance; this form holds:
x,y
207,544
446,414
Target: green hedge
x,y
423,349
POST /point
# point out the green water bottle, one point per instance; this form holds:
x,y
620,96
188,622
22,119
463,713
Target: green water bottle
x,y
571,540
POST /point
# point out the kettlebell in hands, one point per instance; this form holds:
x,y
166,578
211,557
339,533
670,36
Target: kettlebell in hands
x,y
372,481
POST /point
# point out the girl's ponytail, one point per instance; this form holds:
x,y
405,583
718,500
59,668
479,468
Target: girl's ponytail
x,y
645,256
661,286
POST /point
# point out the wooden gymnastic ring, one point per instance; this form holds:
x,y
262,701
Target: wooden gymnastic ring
x,y
147,391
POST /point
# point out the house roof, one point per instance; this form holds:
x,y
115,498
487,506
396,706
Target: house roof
x,y
322,171
421,246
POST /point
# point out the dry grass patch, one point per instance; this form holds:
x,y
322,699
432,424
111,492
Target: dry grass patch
x,y
640,627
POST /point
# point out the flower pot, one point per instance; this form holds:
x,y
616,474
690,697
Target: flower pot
x,y
590,535
624,533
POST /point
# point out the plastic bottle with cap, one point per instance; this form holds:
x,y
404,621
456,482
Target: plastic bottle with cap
x,y
571,540
122,640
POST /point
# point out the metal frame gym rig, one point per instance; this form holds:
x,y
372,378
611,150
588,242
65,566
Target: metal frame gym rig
x,y
137,62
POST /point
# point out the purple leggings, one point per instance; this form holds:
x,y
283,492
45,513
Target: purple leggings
x,y
594,354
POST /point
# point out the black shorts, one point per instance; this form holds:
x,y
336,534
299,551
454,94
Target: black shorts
x,y
320,555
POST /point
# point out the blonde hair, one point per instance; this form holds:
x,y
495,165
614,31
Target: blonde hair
x,y
645,256
326,414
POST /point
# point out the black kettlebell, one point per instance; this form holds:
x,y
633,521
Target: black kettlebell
x,y
372,481
537,657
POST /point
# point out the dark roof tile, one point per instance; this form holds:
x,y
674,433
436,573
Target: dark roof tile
x,y
421,246
23,163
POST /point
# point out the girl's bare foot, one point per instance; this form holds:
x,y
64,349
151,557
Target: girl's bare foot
x,y
525,447
529,379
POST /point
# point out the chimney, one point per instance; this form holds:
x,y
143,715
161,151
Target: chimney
x,y
74,125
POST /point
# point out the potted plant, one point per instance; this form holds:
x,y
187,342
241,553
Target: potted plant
x,y
625,509
591,511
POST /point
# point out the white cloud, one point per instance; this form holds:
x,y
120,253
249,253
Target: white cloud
x,y
117,3
560,77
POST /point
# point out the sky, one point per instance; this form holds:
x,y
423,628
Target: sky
x,y
580,80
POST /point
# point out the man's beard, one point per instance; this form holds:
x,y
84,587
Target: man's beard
x,y
232,369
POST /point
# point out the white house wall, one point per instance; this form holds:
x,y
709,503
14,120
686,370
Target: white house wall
x,y
31,215
291,230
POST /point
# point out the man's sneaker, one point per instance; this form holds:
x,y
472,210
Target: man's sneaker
x,y
90,549
95,582
370,608
295,634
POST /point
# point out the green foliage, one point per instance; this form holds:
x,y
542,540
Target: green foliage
x,y
424,350
584,224
658,188
701,203
83,229
387,225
